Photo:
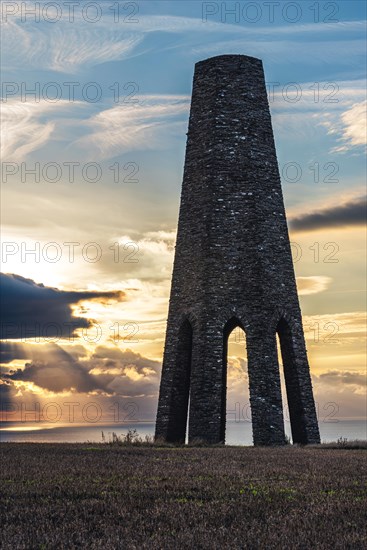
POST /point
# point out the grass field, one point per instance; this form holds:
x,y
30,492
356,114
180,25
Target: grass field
x,y
68,496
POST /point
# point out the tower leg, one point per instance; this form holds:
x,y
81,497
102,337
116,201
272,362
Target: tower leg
x,y
207,414
175,384
265,392
301,403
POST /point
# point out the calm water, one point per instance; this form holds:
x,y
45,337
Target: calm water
x,y
238,433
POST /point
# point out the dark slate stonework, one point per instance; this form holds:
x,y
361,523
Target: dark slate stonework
x,y
233,267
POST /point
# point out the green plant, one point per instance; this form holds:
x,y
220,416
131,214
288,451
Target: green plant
x,y
132,437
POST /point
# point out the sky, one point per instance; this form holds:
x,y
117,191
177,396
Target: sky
x,y
95,105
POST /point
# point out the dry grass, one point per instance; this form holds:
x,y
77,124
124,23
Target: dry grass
x,y
69,496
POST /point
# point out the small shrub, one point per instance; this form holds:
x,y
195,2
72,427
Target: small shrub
x,y
342,443
130,438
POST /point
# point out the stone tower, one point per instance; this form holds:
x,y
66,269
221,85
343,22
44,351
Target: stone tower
x,y
233,267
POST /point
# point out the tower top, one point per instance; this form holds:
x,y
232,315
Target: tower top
x,y
229,59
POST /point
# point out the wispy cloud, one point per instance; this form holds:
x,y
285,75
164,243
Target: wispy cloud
x,y
28,126
337,107
354,121
64,47
321,96
342,329
148,125
350,127
170,23
21,130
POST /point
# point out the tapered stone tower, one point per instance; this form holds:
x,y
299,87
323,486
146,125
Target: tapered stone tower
x,y
233,267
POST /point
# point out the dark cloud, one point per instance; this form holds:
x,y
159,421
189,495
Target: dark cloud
x,y
343,377
110,371
351,213
106,358
58,371
33,310
8,397
5,391
10,351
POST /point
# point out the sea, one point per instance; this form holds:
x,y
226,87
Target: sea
x,y
237,433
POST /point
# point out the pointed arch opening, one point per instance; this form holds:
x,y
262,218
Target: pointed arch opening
x,y
283,389
236,413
